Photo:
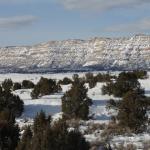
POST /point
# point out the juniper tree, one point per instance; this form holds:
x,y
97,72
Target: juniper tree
x,y
45,87
124,83
65,81
91,80
9,135
26,84
75,102
25,142
7,85
16,86
12,103
132,110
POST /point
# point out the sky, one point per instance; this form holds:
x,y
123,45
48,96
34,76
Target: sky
x,y
28,22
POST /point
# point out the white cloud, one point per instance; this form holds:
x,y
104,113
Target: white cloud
x,y
17,21
142,25
100,5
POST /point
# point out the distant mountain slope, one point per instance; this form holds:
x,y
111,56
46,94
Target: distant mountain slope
x,y
96,53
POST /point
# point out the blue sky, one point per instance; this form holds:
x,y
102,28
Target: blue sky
x,y
27,22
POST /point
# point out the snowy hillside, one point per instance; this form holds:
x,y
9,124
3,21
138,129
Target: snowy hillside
x,y
96,53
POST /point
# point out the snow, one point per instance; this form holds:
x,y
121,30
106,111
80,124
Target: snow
x,y
24,94
91,137
51,104
146,85
99,102
90,63
137,140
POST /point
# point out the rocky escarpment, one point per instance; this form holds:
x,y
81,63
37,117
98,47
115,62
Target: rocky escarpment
x,y
97,53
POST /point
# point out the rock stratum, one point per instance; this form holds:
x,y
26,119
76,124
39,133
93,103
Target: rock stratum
x,y
72,55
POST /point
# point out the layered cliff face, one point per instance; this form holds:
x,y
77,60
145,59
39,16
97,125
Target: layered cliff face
x,y
96,53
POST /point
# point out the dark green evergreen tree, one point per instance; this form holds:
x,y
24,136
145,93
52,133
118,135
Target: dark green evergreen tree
x,y
25,142
1,90
26,84
11,102
132,111
91,80
104,77
45,87
124,83
7,85
40,122
9,135
75,141
75,102
141,74
11,106
65,81
16,86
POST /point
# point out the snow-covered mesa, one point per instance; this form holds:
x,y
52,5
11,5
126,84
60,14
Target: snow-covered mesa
x,y
95,53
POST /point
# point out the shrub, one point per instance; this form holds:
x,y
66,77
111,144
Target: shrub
x,y
45,87
104,77
124,83
65,81
141,74
113,129
26,84
16,86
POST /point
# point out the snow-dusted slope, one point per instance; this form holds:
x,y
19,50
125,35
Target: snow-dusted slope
x,y
96,53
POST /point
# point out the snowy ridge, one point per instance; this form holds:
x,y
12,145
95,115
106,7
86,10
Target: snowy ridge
x,y
97,54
